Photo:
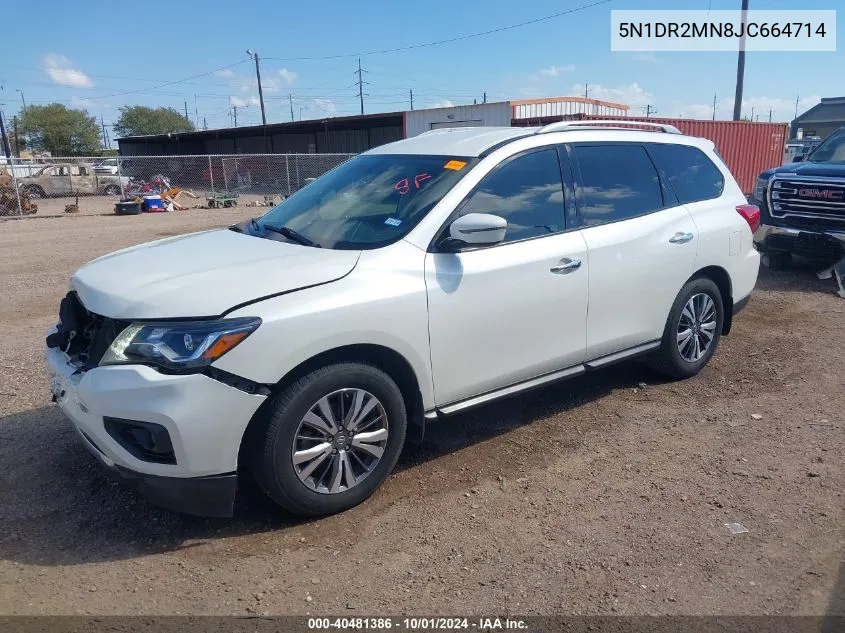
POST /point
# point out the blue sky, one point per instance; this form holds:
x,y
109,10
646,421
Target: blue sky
x,y
89,54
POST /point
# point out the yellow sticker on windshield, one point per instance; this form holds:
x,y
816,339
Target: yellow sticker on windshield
x,y
455,164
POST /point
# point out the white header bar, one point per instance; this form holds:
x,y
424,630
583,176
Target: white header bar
x,y
761,31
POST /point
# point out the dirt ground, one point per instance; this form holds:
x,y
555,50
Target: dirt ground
x,y
606,494
104,205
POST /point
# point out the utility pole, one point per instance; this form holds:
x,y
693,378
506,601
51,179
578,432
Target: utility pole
x,y
290,99
714,107
23,101
196,111
260,91
361,86
752,114
586,91
797,98
186,111
411,92
649,110
103,124
204,124
770,115
7,151
485,97
740,66
17,140
300,113
235,111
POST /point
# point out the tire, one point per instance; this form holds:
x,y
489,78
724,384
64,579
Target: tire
x,y
284,431
675,358
35,192
112,190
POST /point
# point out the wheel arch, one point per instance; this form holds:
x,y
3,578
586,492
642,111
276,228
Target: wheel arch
x,y
722,279
388,360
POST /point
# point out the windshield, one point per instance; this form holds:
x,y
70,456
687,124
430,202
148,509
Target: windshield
x,y
832,150
368,202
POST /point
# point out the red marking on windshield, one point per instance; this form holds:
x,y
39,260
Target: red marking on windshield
x,y
402,186
420,178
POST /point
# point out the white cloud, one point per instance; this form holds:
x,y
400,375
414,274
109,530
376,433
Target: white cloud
x,y
226,72
325,105
61,70
252,100
648,58
554,71
633,94
443,103
783,110
287,76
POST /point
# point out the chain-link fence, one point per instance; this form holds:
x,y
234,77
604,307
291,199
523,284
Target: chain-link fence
x,y
54,186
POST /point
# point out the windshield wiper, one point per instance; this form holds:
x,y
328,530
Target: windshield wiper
x,y
291,235
254,224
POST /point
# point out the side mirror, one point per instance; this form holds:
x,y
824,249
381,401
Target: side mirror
x,y
478,229
799,158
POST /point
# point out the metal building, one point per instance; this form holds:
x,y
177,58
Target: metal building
x,y
336,135
499,113
821,120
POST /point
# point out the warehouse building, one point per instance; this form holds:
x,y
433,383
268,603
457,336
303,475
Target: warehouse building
x,y
354,134
821,120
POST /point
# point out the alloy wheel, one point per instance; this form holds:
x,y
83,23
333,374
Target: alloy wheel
x,y
340,441
696,327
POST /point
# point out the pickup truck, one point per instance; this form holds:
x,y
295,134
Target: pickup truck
x,y
68,179
802,205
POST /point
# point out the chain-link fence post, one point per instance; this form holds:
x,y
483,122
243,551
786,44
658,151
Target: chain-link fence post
x,y
15,185
287,171
210,175
120,180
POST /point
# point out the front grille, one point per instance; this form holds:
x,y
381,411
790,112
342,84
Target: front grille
x,y
83,335
807,198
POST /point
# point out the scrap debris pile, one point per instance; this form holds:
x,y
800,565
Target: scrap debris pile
x,y
9,199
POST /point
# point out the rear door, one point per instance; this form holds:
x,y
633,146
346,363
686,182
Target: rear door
x,y
56,180
641,244
82,180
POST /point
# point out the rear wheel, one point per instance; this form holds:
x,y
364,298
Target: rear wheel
x,y
330,439
34,191
692,330
112,190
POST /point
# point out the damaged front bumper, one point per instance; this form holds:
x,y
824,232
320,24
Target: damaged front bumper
x,y
816,243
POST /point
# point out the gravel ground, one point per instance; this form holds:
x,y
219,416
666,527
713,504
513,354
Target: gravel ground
x,y
606,494
104,205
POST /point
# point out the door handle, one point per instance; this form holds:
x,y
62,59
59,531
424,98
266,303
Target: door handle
x,y
681,238
566,266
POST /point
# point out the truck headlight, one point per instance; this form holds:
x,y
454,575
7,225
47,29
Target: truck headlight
x,y
760,188
178,346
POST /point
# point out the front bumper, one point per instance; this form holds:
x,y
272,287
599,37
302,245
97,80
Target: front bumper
x,y
205,420
811,243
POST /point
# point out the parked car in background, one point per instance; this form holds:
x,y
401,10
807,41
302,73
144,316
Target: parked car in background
x,y
107,166
67,179
803,205
416,280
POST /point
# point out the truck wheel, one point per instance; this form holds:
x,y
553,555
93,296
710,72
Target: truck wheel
x,y
692,330
34,191
112,190
329,439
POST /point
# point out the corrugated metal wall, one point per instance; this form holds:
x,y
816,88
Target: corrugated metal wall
x,y
748,148
496,114
563,108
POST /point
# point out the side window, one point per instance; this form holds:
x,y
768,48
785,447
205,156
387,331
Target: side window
x,y
75,170
692,175
527,192
617,182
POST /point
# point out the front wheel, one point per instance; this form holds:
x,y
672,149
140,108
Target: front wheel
x,y
112,190
35,192
692,330
330,439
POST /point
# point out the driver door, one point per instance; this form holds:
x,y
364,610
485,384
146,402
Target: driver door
x,y
508,313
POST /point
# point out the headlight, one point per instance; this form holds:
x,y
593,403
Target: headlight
x,y
760,188
178,346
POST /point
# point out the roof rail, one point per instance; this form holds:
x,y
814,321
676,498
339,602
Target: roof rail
x,y
563,126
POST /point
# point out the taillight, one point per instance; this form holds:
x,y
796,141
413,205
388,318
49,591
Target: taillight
x,y
751,214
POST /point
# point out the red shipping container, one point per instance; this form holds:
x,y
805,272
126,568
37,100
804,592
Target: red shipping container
x,y
748,148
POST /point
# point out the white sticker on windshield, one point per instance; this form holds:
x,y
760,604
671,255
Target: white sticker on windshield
x,y
393,221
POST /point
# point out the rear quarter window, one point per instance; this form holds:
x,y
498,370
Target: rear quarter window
x,y
691,174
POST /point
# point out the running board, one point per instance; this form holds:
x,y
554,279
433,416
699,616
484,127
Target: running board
x,y
540,381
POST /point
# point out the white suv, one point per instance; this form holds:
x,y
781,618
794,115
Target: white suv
x,y
416,280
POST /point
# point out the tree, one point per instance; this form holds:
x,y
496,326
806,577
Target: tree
x,y
141,121
60,130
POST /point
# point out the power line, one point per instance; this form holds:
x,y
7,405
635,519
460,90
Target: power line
x,y
449,40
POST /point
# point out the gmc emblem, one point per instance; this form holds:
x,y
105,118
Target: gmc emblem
x,y
825,194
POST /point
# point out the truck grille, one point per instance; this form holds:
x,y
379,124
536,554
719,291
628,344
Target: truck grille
x,y
808,198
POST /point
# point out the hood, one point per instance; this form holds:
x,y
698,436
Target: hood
x,y
825,170
202,275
